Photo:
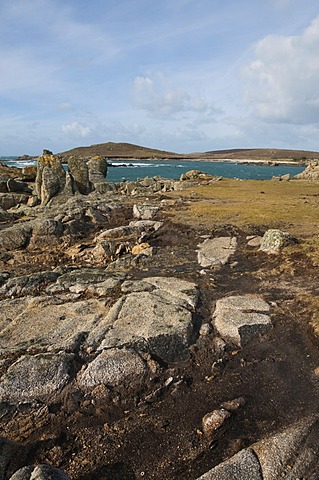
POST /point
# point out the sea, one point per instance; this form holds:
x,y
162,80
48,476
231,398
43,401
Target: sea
x,y
119,171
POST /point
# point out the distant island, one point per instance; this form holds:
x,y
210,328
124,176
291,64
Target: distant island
x,y
135,152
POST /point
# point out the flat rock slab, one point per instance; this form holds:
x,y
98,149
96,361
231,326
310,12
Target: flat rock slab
x,y
47,323
36,377
242,466
216,251
238,319
154,321
112,368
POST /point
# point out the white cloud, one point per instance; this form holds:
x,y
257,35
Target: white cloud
x,y
159,98
76,129
281,84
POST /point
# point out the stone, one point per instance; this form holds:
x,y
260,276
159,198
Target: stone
x,y
18,186
157,322
27,284
47,323
51,177
239,319
15,237
254,241
90,280
216,251
40,472
9,200
279,450
242,466
36,377
145,211
212,421
112,368
78,169
97,170
275,240
45,232
311,172
12,456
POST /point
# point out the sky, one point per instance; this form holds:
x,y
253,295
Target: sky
x,y
177,75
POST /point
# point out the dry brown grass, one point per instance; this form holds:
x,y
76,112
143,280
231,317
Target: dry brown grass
x,y
290,206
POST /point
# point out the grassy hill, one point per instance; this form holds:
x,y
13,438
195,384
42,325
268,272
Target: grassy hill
x,y
267,154
120,150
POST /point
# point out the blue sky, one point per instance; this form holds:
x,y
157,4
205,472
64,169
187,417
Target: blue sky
x,y
178,75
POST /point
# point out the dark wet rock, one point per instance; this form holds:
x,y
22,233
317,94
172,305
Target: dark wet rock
x,y
40,472
4,183
36,377
112,368
238,319
242,466
216,251
11,457
51,177
18,186
275,240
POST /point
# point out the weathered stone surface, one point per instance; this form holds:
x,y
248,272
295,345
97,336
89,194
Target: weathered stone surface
x,y
254,241
36,377
275,240
216,251
91,280
112,368
9,200
46,232
156,321
275,453
40,472
14,237
47,323
238,319
51,177
27,284
242,466
145,211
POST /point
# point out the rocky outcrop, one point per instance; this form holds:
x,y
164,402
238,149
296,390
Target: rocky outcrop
x,y
242,466
51,177
310,173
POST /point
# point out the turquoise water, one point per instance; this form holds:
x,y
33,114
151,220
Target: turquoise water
x,y
131,170
175,168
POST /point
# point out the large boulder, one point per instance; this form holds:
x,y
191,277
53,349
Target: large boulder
x,y
97,168
40,472
17,236
242,466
